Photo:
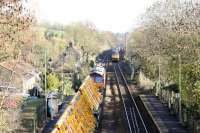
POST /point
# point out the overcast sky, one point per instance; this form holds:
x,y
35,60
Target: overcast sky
x,y
111,15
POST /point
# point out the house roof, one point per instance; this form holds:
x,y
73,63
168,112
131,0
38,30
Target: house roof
x,y
20,68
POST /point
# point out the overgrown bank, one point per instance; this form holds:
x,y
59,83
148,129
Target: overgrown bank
x,y
166,47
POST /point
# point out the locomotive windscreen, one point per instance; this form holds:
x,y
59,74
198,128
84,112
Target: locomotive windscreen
x,y
98,79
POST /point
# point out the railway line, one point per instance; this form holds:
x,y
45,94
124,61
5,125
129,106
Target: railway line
x,y
108,103
135,121
112,117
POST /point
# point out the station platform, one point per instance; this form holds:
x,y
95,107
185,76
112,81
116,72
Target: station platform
x,y
165,122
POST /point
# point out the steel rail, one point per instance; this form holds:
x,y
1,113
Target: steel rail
x,y
124,104
133,100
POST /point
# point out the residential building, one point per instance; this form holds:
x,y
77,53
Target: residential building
x,y
18,76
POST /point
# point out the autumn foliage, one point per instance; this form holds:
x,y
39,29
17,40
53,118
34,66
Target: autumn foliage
x,y
15,19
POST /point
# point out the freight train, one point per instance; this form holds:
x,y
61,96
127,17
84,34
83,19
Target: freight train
x,y
98,75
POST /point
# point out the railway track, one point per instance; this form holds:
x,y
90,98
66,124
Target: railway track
x,y
133,117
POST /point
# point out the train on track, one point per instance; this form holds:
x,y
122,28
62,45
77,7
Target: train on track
x,y
98,75
83,114
115,56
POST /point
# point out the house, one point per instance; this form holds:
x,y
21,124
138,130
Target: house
x,y
18,76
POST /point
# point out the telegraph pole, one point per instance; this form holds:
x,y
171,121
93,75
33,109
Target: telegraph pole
x,y
159,74
63,78
63,70
180,107
125,41
158,89
45,84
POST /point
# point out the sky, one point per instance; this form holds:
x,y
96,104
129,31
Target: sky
x,y
106,15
